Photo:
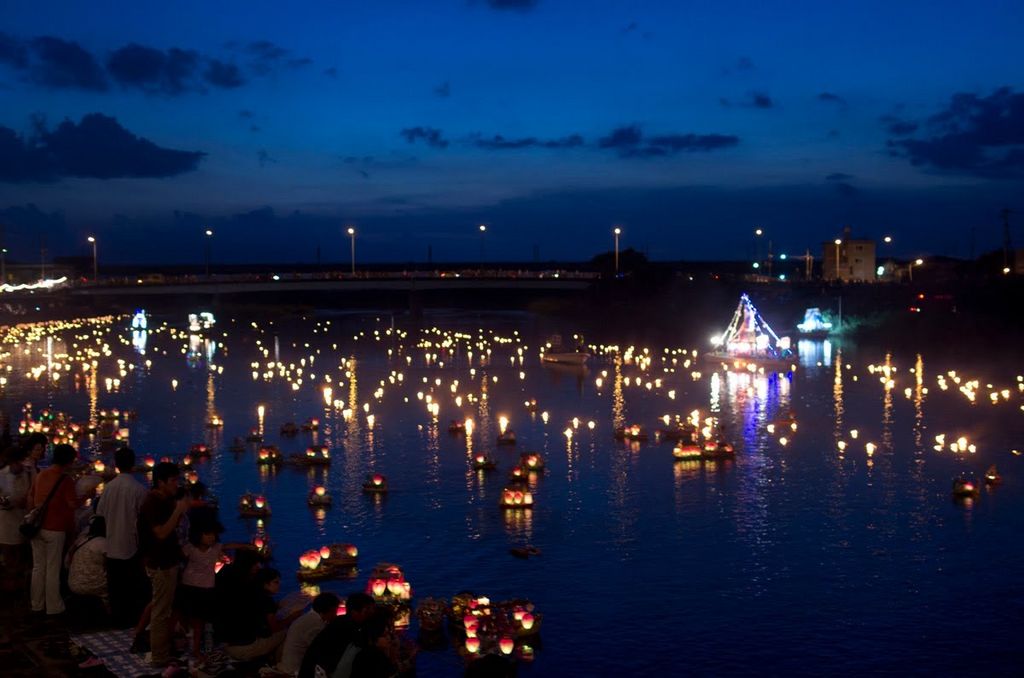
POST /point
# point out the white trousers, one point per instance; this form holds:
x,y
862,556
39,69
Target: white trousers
x,y
47,557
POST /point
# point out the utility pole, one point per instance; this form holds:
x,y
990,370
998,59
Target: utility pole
x,y
1007,246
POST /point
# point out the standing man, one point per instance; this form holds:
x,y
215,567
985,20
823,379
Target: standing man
x,y
161,553
119,506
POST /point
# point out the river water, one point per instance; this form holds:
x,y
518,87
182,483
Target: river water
x,y
796,557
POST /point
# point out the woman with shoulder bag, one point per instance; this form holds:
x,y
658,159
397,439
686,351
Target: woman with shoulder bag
x,y
53,493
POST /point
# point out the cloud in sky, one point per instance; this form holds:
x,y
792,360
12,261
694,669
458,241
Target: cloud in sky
x,y
629,141
832,98
516,5
154,71
60,63
223,74
980,136
429,135
96,147
499,142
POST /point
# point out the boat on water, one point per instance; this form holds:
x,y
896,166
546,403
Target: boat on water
x,y
814,325
566,358
749,343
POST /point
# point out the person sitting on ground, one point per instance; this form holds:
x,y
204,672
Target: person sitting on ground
x,y
86,562
375,651
257,631
232,589
304,630
326,649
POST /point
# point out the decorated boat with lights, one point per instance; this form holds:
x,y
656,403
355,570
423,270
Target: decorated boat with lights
x,y
376,484
965,488
513,498
749,343
507,437
488,628
389,588
328,562
633,432
482,462
319,496
456,427
198,450
992,476
531,461
684,433
573,358
311,425
315,455
814,325
253,506
269,455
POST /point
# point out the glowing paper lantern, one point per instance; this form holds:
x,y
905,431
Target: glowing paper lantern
x,y
472,644
506,645
527,621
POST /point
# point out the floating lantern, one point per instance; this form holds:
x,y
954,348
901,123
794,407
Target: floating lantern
x,y
325,552
527,621
379,586
472,644
506,645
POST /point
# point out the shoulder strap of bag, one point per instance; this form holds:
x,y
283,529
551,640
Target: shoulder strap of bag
x,y
53,491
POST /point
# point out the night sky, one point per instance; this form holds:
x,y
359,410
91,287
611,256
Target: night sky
x,y
689,124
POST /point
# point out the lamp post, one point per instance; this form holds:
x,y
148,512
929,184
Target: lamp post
x,y
209,238
910,268
352,236
483,229
95,267
617,232
757,243
838,242
3,266
888,241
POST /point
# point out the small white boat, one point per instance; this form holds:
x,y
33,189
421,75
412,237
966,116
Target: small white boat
x,y
569,358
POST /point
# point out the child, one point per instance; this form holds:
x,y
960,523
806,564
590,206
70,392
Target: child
x,y
203,551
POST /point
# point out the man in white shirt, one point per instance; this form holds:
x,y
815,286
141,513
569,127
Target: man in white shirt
x,y
119,505
302,632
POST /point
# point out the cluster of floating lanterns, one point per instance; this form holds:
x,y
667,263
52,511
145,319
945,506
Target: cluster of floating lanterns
x,y
253,506
327,562
485,627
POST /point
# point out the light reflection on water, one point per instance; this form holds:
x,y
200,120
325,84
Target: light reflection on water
x,y
750,560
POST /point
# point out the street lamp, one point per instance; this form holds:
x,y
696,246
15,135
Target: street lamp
x,y
910,268
3,266
95,268
617,232
757,244
483,229
209,238
352,235
838,242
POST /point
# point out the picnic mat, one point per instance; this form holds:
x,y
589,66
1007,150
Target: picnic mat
x,y
112,647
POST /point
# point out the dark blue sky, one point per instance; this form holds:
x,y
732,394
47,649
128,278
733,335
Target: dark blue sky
x,y
688,123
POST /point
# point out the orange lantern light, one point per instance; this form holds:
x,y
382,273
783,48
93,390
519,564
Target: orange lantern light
x,y
320,490
506,645
378,479
379,586
260,502
352,551
472,644
325,552
527,621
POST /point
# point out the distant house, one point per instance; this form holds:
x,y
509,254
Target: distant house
x,y
848,260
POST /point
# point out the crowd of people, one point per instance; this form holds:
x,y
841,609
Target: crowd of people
x,y
151,559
